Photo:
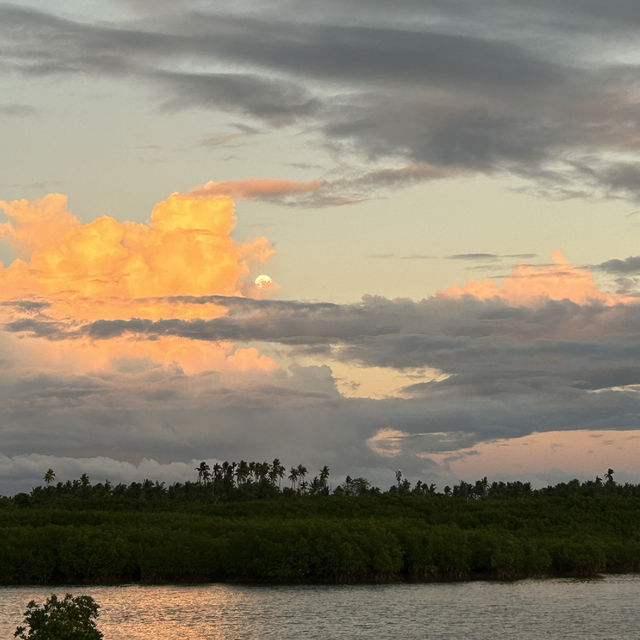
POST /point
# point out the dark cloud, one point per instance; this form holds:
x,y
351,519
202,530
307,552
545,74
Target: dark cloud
x,y
500,371
474,256
484,347
622,177
404,176
471,257
27,305
618,266
278,101
520,256
576,15
39,328
373,53
450,88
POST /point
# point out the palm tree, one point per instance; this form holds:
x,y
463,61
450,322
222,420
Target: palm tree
x,y
276,471
302,472
204,472
49,476
316,486
226,472
262,470
242,472
324,475
293,476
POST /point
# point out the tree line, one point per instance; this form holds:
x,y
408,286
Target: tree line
x,y
241,481
247,523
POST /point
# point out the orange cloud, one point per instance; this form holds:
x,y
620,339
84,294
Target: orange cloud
x,y
32,225
107,269
250,358
255,188
130,355
528,284
110,269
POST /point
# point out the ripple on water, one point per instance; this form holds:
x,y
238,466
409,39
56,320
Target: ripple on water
x,y
525,610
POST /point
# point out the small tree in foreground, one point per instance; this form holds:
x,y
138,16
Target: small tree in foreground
x,y
67,619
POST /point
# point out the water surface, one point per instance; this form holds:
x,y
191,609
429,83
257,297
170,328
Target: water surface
x,y
528,609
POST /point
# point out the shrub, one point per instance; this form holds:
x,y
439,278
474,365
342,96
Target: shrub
x,y
67,619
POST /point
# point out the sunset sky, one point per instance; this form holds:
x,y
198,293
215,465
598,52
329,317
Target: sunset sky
x,y
444,193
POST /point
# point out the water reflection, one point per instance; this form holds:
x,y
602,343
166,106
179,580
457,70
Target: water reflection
x,y
530,609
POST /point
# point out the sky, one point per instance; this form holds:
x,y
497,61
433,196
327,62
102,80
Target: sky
x,y
444,195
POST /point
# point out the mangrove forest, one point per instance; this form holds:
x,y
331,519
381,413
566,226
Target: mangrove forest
x,y
261,523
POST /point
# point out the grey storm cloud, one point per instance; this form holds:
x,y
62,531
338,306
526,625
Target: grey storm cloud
x,y
484,347
507,371
303,322
448,87
278,101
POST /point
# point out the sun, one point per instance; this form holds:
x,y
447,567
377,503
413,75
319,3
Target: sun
x,y
263,281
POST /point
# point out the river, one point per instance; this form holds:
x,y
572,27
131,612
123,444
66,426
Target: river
x,y
528,609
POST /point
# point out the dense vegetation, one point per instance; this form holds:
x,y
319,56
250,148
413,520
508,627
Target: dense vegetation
x,y
235,523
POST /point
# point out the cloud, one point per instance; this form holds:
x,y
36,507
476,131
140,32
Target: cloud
x,y
223,138
475,256
276,101
346,186
387,442
255,188
311,194
617,266
122,341
17,472
105,264
230,376
415,172
558,281
69,272
461,90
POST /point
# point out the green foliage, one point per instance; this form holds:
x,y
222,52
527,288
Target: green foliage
x,y
237,523
67,619
371,538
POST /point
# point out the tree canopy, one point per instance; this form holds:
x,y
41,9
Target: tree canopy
x,y
72,618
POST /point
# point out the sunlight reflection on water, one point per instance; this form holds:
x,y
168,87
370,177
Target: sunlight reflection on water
x,y
529,609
